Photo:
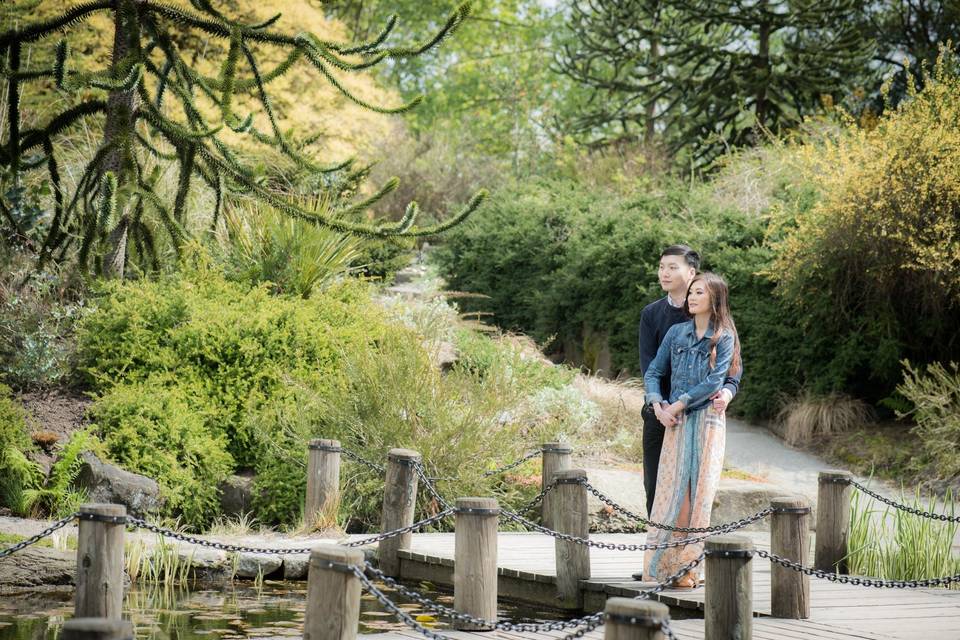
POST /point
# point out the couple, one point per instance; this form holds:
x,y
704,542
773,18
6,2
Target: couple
x,y
690,358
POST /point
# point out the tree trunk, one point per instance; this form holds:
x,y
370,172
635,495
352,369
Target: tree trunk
x,y
763,63
119,131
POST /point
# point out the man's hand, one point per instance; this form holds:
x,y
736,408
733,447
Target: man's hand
x,y
676,409
666,419
721,399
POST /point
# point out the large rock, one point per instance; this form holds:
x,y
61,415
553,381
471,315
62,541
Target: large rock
x,y
236,494
249,565
737,499
37,567
105,482
295,566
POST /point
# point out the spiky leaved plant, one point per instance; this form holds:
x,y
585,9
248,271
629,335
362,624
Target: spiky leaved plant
x,y
114,206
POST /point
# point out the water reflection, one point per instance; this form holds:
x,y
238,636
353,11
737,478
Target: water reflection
x,y
234,612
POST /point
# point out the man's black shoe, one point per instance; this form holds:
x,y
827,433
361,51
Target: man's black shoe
x,y
638,576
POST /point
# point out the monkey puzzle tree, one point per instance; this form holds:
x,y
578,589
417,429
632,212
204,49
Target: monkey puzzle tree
x,y
149,100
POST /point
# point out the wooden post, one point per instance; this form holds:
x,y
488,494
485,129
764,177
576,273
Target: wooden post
x,y
100,561
333,593
790,539
833,521
475,560
323,484
97,629
399,500
571,517
629,619
556,456
728,601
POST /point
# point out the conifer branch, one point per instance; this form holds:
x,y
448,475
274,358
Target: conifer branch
x,y
70,18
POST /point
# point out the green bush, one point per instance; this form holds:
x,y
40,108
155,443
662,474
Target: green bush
x,y
57,496
185,361
17,473
935,395
485,357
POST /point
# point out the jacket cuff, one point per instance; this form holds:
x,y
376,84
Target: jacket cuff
x,y
653,398
685,399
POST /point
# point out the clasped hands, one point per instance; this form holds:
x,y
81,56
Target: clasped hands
x,y
669,414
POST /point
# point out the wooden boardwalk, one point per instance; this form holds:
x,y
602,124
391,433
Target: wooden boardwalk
x,y
527,572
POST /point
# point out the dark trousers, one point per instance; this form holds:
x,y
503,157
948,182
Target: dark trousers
x,y
653,433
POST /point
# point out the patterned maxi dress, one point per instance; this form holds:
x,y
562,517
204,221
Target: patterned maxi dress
x,y
690,464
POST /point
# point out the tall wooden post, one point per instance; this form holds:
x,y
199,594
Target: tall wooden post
x,y
573,518
399,501
475,560
323,484
790,539
100,561
333,593
728,601
556,456
833,521
97,629
629,619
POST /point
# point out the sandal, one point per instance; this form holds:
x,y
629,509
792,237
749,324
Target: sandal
x,y
688,581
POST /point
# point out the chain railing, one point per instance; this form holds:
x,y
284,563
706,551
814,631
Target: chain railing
x,y
428,484
512,465
713,529
379,468
32,540
942,517
402,530
858,581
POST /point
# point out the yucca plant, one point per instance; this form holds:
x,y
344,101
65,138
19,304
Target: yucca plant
x,y
150,100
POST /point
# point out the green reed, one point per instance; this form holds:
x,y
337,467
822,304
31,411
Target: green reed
x,y
896,545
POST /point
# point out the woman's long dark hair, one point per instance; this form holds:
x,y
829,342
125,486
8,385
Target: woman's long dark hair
x,y
720,316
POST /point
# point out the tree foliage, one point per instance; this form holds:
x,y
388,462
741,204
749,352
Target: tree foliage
x,y
150,100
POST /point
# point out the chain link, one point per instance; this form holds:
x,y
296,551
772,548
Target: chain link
x,y
402,530
426,482
680,542
902,507
379,468
32,540
538,498
858,580
512,465
718,528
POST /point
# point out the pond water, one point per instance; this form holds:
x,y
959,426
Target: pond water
x,y
234,612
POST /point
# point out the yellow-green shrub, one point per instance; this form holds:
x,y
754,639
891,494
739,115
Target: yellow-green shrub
x,y
873,268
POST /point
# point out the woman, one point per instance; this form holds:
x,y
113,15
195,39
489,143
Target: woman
x,y
699,353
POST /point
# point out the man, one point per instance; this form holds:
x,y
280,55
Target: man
x,y
678,265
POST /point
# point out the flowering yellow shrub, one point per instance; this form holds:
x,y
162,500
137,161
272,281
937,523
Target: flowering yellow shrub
x,y
876,261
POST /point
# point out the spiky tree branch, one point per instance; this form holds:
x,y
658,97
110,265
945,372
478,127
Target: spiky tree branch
x,y
148,105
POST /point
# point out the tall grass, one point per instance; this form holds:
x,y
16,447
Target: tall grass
x,y
808,415
896,545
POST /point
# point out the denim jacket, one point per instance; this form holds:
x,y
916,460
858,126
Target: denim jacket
x,y
692,381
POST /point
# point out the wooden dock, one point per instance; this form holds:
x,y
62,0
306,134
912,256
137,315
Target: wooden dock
x,y
527,572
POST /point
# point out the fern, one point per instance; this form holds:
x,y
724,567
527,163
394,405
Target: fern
x,y
18,477
58,497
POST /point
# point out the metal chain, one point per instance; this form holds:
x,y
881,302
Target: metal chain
x,y
452,613
902,507
681,542
402,530
857,580
23,544
718,528
390,606
426,482
379,468
538,498
512,465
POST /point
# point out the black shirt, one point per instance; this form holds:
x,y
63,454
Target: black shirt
x,y
655,320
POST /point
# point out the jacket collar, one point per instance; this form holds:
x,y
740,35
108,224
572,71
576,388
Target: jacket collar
x,y
692,331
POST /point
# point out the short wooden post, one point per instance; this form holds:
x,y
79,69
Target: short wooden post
x,y
333,593
833,521
629,619
790,539
556,456
399,500
728,600
475,560
573,518
97,629
323,484
100,561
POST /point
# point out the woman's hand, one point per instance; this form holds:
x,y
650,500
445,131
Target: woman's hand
x,y
721,399
676,410
666,419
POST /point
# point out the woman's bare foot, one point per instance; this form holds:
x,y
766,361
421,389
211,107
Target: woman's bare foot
x,y
688,581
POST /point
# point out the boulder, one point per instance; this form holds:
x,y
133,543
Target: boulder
x,y
295,566
236,494
38,567
249,565
737,499
105,482
445,356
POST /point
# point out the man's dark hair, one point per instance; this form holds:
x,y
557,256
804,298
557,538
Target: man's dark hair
x,y
685,252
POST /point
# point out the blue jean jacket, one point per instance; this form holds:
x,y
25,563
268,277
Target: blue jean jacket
x,y
692,381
